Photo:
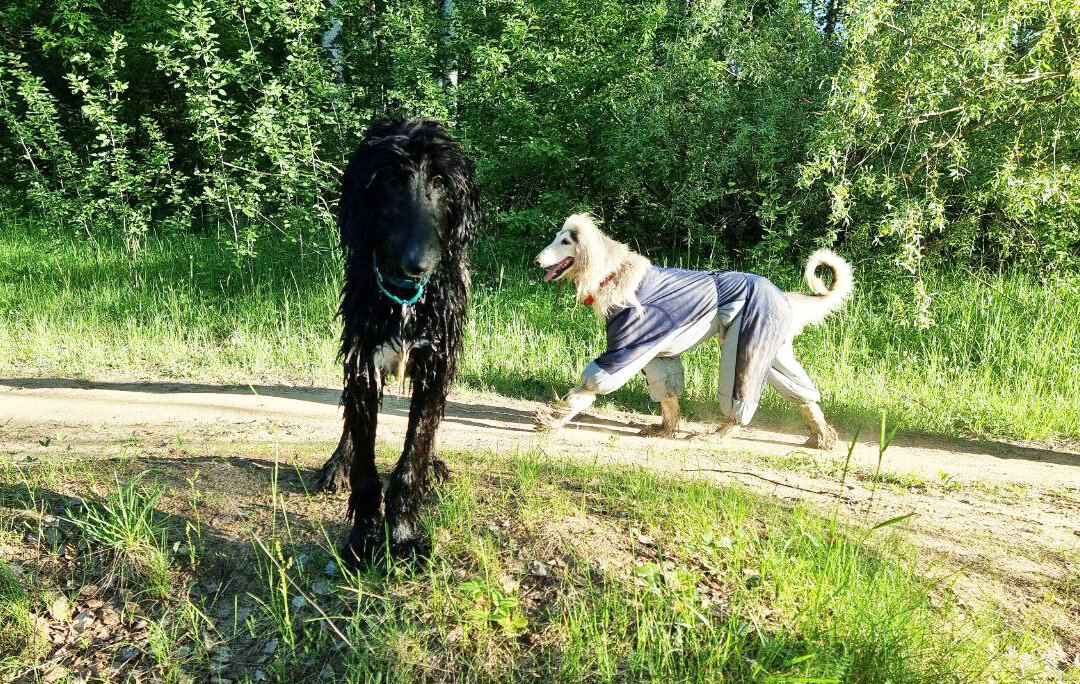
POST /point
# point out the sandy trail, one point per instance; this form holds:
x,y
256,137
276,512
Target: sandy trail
x,y
35,409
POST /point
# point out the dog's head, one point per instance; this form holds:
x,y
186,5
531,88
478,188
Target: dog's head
x,y
409,197
606,272
568,253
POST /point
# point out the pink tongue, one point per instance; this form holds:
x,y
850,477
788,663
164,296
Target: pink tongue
x,y
554,270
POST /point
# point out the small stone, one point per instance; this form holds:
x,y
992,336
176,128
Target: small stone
x,y
82,621
109,617
59,606
53,672
753,577
16,569
327,672
509,584
258,676
222,655
331,569
454,636
217,679
322,587
270,646
94,604
298,602
183,652
538,568
127,653
645,540
53,536
41,626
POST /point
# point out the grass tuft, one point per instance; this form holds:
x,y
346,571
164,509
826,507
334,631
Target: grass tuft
x,y
128,542
19,637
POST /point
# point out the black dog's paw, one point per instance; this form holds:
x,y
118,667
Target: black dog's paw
x,y
439,472
333,477
411,550
364,548
367,549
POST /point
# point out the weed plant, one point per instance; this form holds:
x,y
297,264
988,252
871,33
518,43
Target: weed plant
x,y
127,540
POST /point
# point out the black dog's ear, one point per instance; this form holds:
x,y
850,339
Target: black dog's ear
x,y
468,219
353,209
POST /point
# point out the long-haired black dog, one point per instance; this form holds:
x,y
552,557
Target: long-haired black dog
x,y
409,211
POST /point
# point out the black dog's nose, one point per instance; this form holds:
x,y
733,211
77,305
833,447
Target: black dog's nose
x,y
414,266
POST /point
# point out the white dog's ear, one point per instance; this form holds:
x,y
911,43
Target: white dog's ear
x,y
589,252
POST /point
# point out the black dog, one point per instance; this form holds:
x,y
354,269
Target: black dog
x,y
409,211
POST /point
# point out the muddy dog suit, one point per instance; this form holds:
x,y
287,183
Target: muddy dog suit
x,y
681,309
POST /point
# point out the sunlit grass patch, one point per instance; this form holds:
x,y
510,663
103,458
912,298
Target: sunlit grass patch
x,y
1002,357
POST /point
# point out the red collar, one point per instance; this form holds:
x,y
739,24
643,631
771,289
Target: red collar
x,y
588,301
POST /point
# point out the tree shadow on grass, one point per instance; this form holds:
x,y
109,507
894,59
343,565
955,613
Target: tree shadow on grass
x,y
229,571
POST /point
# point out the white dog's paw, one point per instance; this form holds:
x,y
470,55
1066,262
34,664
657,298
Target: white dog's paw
x,y
551,417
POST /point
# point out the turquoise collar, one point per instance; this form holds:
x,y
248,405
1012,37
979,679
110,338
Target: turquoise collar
x,y
400,282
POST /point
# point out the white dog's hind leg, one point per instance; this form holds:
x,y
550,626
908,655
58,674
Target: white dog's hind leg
x,y
551,417
669,420
790,380
822,435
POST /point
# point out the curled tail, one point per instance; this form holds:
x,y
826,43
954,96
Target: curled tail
x,y
814,309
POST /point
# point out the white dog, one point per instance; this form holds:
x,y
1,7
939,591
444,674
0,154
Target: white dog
x,y
654,314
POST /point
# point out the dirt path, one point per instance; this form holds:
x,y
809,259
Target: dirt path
x,y
1004,517
35,409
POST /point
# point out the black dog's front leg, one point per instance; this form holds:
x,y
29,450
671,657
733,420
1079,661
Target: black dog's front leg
x,y
409,483
361,403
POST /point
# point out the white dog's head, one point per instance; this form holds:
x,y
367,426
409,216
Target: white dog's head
x,y
581,251
560,257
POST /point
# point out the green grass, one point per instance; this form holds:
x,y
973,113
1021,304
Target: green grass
x,y
129,542
17,633
549,571
1002,358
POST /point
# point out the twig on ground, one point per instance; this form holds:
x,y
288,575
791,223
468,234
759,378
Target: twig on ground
x,y
766,479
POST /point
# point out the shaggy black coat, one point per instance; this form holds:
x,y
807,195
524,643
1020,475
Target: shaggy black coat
x,y
409,204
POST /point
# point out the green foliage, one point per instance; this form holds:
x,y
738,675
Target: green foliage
x,y
722,130
950,129
18,633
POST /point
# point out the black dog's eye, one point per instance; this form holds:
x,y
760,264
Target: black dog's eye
x,y
565,241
